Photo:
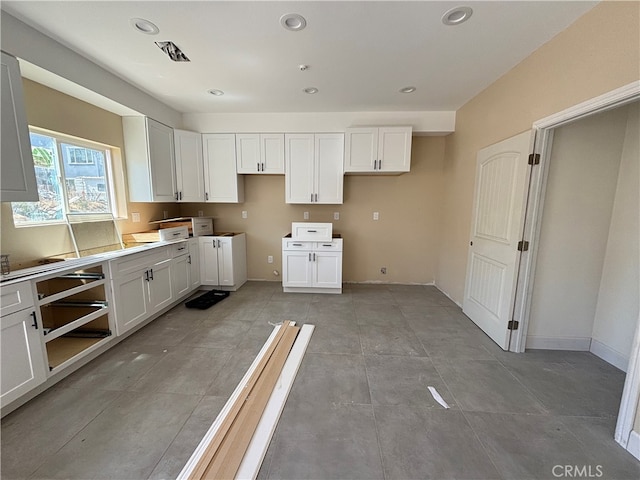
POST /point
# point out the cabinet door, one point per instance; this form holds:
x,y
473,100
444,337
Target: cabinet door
x,y
160,286
272,153
296,269
329,176
131,300
194,263
327,272
208,261
248,153
361,149
394,149
224,246
18,180
299,168
161,161
181,276
222,183
23,365
189,166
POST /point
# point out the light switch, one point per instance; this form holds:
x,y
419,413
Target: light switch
x,y
270,259
376,215
135,217
245,214
336,215
305,215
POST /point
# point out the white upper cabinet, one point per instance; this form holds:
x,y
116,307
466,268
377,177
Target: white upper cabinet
x,y
189,166
221,180
314,168
150,160
377,150
261,153
18,179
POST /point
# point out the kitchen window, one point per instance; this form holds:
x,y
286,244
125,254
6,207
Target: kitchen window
x,y
74,176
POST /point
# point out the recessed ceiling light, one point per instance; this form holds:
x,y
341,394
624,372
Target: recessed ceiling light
x,y
144,26
408,90
217,93
293,21
310,90
457,15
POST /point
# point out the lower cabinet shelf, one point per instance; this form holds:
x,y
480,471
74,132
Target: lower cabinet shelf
x,y
65,348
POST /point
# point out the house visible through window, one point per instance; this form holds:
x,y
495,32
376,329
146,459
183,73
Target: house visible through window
x,y
73,176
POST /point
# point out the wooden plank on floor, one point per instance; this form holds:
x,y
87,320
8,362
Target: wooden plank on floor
x,y
202,465
227,459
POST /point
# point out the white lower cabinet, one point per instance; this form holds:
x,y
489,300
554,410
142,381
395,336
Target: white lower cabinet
x,y
23,363
223,261
142,285
194,263
312,267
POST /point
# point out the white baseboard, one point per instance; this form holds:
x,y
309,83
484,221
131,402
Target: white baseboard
x,y
633,446
609,355
579,344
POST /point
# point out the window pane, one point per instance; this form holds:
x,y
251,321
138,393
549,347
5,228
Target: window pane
x,y
86,179
50,206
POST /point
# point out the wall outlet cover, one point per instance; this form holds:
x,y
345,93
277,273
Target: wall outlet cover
x,y
376,215
305,215
245,214
135,217
336,215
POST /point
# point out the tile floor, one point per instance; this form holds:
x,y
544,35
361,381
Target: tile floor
x,y
359,407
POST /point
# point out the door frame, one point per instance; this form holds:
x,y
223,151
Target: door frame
x,y
544,129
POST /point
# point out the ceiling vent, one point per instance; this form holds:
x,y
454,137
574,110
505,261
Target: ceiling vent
x,y
173,51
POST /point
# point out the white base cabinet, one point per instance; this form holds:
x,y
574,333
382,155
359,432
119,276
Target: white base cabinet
x,y
223,261
22,356
312,267
384,150
142,285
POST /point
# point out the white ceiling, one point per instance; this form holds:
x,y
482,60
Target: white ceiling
x,y
360,53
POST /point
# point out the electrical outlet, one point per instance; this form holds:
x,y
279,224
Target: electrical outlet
x,y
383,270
135,217
245,214
270,259
336,215
376,215
200,213
305,215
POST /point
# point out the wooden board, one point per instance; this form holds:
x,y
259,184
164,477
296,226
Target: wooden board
x,y
199,470
63,348
142,237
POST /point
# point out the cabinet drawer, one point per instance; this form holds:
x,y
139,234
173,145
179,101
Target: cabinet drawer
x,y
202,226
137,261
179,249
288,244
318,232
16,297
335,246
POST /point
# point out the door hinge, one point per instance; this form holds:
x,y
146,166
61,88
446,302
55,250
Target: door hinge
x,y
523,246
513,325
534,159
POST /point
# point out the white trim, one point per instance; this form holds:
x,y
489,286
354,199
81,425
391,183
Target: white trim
x,y
630,394
259,444
191,464
609,355
633,447
576,344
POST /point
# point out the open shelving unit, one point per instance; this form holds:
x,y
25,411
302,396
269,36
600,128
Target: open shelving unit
x,y
74,309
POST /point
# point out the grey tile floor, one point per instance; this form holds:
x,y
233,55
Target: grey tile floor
x,y
359,407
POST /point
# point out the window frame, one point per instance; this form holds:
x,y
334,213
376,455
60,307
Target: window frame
x,y
110,154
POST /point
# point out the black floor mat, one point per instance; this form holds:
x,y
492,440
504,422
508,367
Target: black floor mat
x,y
207,300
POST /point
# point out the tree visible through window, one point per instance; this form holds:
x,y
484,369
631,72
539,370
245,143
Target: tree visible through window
x,y
72,177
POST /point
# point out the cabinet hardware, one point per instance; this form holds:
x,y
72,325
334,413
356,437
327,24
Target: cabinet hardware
x,y
151,273
314,257
177,196
258,166
189,260
327,245
218,243
180,195
35,321
312,198
146,275
309,256
312,231
262,167
316,197
296,244
84,276
206,196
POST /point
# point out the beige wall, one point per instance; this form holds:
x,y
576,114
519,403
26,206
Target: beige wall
x,y
405,239
579,198
596,54
52,110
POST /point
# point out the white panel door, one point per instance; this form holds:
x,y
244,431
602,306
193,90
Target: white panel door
x,y
361,149
222,182
160,285
161,158
23,365
328,269
272,153
189,166
131,294
248,152
225,261
194,263
502,175
208,261
296,269
181,275
299,160
394,149
329,176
